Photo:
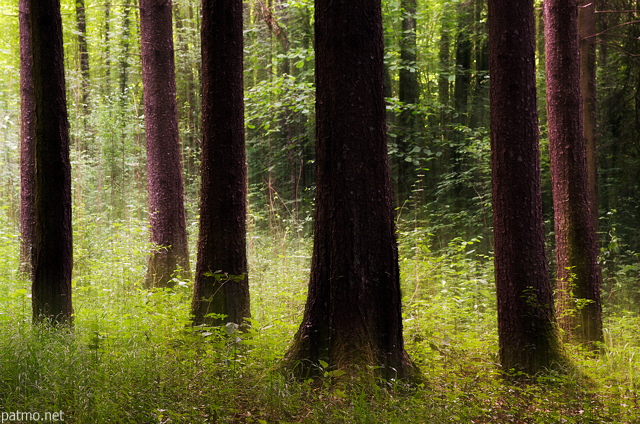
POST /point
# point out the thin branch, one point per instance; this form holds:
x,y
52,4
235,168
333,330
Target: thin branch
x,y
614,11
612,28
622,49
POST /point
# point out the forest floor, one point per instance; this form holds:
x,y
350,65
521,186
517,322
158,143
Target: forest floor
x,y
133,358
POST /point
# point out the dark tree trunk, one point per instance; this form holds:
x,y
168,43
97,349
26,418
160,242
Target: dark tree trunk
x,y
408,94
461,91
221,285
478,116
464,48
528,334
27,124
587,33
52,250
170,257
577,271
353,311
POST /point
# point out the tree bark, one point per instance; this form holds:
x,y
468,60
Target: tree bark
x,y
353,315
528,334
587,32
52,250
221,286
577,271
27,155
170,257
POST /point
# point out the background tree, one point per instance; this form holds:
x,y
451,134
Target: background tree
x,y
528,334
352,315
52,249
408,95
221,286
27,156
577,271
170,256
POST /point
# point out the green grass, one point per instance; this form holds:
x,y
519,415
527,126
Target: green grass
x,y
132,357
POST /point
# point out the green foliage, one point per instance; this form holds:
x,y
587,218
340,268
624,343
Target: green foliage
x,y
134,357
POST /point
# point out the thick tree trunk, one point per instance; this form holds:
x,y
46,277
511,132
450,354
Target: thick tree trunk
x,y
352,316
170,256
578,274
27,155
528,334
221,285
52,250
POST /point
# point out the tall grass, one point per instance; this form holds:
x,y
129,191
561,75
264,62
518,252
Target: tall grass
x,y
133,358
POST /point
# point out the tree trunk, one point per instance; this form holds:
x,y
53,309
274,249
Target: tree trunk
x,y
125,45
479,96
83,51
587,33
353,311
52,250
170,257
578,274
461,90
27,124
408,94
464,46
221,286
107,48
528,334
188,94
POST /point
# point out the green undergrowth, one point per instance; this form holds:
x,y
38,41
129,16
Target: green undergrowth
x,y
133,358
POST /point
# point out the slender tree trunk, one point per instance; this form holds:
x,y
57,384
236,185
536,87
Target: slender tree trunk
x,y
577,271
170,257
27,155
478,114
188,94
353,311
408,94
52,250
587,32
221,286
461,90
528,334
125,45
83,50
464,47
107,46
